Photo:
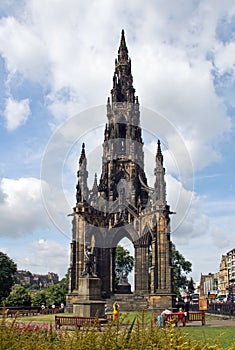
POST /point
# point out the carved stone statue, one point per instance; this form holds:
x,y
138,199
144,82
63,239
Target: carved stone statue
x,y
89,262
123,279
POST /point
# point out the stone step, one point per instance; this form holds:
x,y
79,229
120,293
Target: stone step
x,y
128,302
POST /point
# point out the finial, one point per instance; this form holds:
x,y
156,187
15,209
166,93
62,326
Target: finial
x,y
123,52
95,185
159,155
95,180
83,149
83,154
123,40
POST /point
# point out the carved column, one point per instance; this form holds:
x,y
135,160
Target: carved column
x,y
153,269
141,269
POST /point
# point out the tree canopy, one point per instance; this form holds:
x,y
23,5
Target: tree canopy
x,y
181,268
7,271
124,262
55,294
18,297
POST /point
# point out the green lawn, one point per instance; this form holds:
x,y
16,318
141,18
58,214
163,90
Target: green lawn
x,y
126,317
41,318
224,335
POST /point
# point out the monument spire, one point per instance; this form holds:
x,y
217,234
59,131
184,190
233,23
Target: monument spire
x,y
123,51
123,90
159,155
83,156
122,138
82,174
159,172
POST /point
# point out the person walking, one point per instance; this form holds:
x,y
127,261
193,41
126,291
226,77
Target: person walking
x,y
116,308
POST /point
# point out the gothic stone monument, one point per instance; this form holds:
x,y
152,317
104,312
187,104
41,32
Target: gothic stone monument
x,y
121,205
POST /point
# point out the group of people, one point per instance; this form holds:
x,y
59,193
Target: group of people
x,y
182,311
43,306
182,315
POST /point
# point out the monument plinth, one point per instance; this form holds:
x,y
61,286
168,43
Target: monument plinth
x,y
123,286
89,303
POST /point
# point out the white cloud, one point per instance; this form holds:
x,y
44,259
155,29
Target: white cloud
x,y
79,54
205,234
16,113
22,210
225,58
4,250
22,49
43,255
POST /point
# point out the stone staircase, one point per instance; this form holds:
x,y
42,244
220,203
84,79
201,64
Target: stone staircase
x,y
128,302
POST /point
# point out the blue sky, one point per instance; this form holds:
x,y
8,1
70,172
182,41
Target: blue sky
x,y
56,68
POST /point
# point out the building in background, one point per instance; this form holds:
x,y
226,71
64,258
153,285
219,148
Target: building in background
x,y
223,276
209,285
37,281
222,282
231,273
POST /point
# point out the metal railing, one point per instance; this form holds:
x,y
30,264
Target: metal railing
x,y
227,309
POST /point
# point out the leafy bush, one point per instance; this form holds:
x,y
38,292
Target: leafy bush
x,y
16,335
39,298
18,297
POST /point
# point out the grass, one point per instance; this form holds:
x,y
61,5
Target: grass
x,y
127,317
223,336
41,318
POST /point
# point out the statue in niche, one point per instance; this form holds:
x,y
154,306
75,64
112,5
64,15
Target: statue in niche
x,y
123,279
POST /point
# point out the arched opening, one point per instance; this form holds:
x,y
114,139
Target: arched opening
x,y
124,266
127,245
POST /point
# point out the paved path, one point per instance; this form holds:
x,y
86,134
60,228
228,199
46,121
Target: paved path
x,y
214,322
221,322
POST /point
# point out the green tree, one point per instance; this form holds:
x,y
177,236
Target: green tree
x,y
55,294
64,284
7,271
181,268
124,262
39,298
18,297
191,286
33,287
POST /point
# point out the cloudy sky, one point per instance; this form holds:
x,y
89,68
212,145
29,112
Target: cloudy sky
x,y
56,68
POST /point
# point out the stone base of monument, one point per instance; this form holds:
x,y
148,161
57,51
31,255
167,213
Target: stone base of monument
x,y
124,288
89,288
89,308
89,303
